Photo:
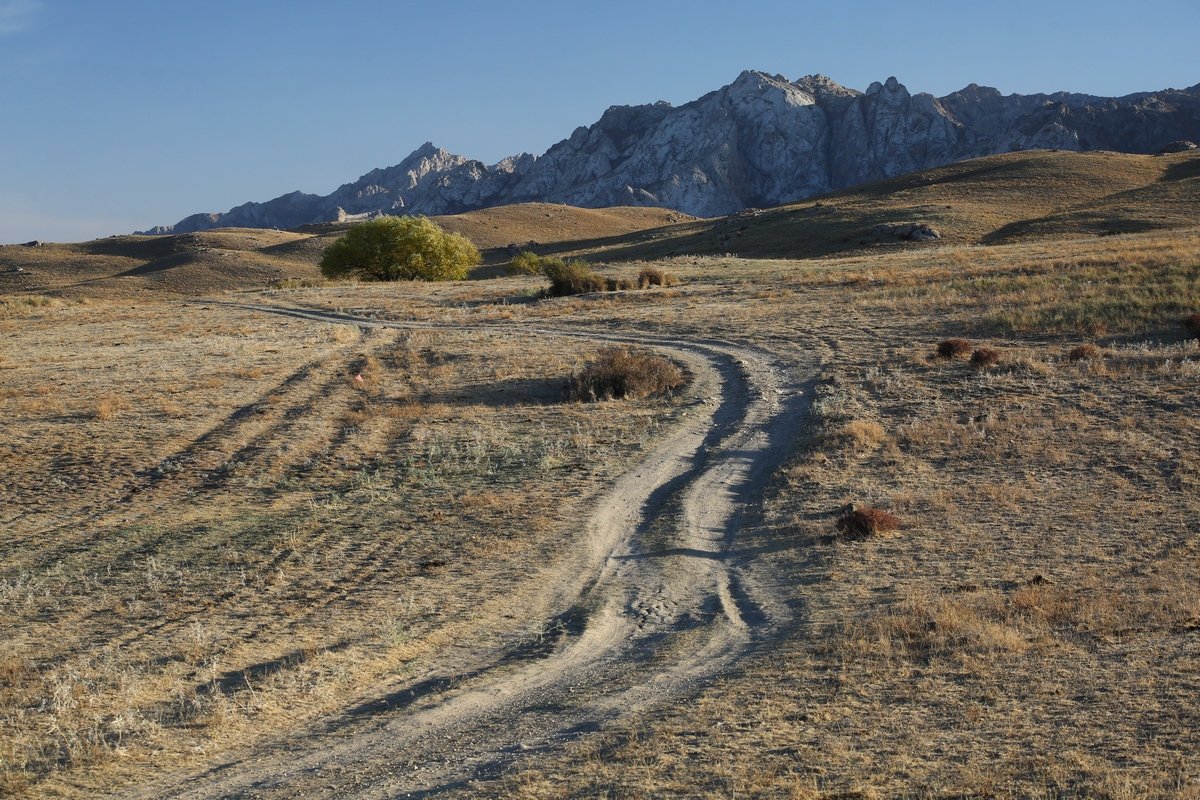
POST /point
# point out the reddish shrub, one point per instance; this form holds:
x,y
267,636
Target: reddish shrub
x,y
1083,352
867,521
954,348
985,357
1192,323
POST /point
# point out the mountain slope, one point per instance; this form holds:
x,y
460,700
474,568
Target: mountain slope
x,y
759,141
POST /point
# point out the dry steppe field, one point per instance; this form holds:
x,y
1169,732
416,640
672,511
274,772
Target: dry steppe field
x,y
338,540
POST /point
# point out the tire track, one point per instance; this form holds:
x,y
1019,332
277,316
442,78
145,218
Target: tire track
x,y
651,608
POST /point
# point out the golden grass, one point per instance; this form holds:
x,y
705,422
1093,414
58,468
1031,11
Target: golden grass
x,y
1031,632
211,556
222,556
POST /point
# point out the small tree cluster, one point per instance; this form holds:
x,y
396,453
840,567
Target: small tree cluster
x,y
399,248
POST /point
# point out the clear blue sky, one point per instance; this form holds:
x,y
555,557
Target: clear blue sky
x,y
121,114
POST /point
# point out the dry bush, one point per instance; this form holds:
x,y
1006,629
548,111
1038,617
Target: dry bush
x,y
985,357
652,276
954,348
1192,323
571,277
1083,352
109,406
619,284
867,521
625,372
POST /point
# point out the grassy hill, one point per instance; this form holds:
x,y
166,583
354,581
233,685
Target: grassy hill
x,y
241,258
1000,199
1006,198
229,531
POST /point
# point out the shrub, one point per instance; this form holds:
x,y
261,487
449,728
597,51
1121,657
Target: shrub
x,y
625,372
1083,352
985,357
571,277
652,276
1192,323
526,262
619,284
954,348
399,248
867,521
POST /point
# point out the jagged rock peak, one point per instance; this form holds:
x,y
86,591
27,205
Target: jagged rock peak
x,y
760,140
822,85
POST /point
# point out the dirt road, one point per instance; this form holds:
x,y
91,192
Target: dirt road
x,y
656,603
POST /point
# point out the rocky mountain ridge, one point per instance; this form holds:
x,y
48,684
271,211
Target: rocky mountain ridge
x,y
762,140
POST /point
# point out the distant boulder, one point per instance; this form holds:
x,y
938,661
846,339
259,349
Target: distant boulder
x,y
905,231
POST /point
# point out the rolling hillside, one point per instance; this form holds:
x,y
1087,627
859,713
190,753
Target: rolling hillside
x,y
1000,199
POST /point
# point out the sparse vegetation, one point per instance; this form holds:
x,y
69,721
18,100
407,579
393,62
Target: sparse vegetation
x,y
619,372
1083,352
954,348
399,248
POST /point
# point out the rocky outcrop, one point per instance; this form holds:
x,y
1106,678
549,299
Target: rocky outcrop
x,y
762,140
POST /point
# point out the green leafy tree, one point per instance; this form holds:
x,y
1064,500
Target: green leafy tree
x,y
399,248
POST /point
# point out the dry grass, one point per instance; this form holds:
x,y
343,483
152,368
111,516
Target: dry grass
x,y
1038,636
214,555
224,558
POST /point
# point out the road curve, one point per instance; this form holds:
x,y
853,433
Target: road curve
x,y
652,608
